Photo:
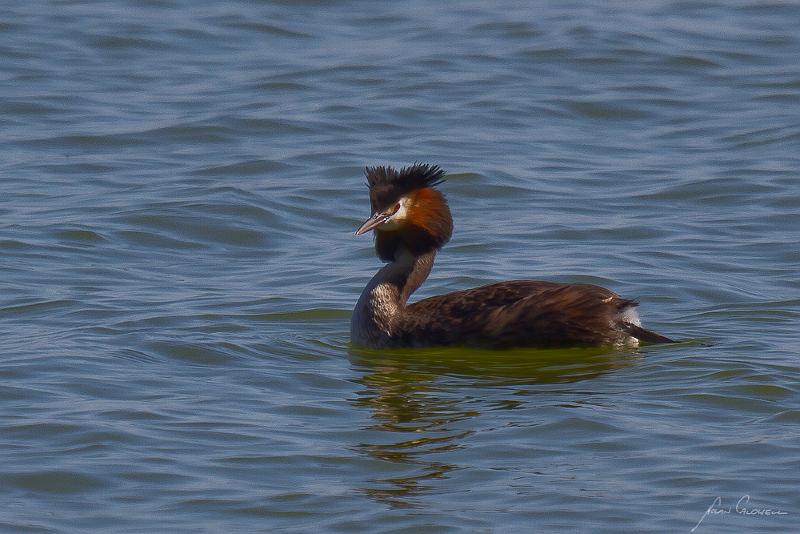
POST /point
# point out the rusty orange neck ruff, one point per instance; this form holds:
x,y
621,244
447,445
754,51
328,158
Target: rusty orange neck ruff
x,y
427,227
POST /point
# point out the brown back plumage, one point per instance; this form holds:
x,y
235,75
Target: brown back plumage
x,y
519,313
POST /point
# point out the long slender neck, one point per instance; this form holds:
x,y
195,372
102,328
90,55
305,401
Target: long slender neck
x,y
412,271
384,299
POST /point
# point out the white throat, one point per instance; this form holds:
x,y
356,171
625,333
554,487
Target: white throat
x,y
380,303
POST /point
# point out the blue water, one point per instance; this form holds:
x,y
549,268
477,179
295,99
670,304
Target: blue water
x,y
179,186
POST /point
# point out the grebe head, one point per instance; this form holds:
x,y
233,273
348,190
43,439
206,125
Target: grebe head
x,y
407,210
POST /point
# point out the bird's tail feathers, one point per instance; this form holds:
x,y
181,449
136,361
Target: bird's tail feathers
x,y
642,334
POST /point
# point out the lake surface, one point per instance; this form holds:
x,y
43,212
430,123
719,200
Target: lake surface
x,y
179,186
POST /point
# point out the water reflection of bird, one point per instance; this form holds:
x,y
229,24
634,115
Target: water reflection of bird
x,y
424,403
412,221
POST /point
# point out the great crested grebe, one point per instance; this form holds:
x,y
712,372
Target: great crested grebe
x,y
411,221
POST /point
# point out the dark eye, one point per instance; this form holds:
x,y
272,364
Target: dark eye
x,y
396,208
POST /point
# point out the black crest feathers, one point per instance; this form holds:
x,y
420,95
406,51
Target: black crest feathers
x,y
387,184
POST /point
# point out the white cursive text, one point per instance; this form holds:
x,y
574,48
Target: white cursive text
x,y
741,508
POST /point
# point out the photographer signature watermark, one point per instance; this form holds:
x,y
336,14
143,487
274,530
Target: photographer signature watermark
x,y
742,508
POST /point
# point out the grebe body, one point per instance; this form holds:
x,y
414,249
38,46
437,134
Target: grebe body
x,y
411,222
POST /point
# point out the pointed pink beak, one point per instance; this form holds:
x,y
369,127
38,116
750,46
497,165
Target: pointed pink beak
x,y
373,222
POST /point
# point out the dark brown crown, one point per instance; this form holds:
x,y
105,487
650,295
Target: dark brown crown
x,y
387,185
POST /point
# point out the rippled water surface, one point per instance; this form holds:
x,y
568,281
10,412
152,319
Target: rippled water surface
x,y
179,184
